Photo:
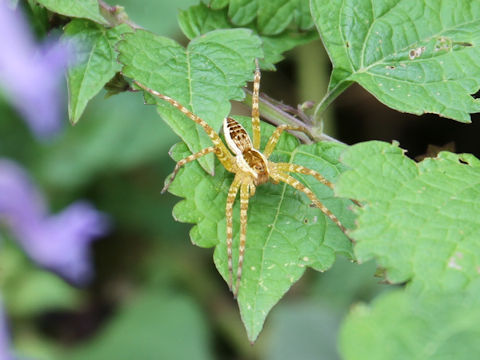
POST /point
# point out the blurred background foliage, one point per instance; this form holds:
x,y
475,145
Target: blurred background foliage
x,y
155,296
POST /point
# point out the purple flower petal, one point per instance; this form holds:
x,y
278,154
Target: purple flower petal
x,y
30,75
20,202
59,242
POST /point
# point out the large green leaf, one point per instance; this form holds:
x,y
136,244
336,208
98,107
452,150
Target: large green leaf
x,y
94,64
402,326
87,9
152,326
200,19
420,220
285,234
414,56
203,77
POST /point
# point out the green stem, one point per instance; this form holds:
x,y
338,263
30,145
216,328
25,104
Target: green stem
x,y
274,115
312,78
116,15
329,98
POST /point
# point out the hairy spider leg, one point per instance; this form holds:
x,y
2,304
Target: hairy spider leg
x,y
186,160
280,176
255,110
223,154
295,168
272,142
244,195
232,194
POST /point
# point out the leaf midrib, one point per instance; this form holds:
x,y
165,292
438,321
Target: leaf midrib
x,y
272,228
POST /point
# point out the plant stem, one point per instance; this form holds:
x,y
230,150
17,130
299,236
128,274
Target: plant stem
x,y
273,114
311,61
116,15
329,98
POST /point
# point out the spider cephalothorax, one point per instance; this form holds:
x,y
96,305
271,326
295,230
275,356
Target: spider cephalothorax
x,y
251,167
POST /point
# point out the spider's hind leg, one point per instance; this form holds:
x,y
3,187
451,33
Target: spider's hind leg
x,y
188,159
295,168
255,111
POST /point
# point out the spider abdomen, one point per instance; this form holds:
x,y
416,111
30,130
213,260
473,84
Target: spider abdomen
x,y
236,136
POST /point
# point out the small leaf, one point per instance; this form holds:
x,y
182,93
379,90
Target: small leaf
x,y
420,220
200,19
414,56
275,46
86,9
203,77
273,16
285,234
95,63
402,325
116,85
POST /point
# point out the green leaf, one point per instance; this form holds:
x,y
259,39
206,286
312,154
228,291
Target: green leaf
x,y
285,234
151,327
273,16
200,19
95,63
275,46
400,326
414,56
420,220
86,9
203,77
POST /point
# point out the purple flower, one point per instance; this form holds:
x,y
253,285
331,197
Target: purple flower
x,y
30,74
57,242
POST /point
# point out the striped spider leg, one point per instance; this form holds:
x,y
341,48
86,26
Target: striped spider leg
x,y
251,167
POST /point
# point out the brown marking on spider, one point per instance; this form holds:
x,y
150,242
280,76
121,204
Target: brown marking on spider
x,y
251,168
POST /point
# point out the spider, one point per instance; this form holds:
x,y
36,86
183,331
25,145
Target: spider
x,y
242,156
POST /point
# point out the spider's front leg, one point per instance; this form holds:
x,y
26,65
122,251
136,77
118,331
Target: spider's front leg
x,y
287,167
188,159
280,176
